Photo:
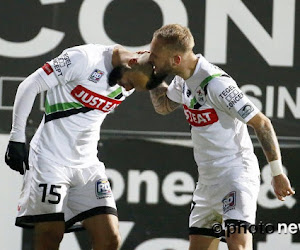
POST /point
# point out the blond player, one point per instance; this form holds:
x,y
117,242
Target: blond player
x,y
218,113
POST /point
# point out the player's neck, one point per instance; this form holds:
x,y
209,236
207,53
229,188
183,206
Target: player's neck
x,y
188,66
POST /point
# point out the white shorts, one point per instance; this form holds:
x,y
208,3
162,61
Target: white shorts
x,y
231,199
52,192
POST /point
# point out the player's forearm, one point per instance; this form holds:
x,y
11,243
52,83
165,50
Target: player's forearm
x,y
268,140
161,103
269,143
24,100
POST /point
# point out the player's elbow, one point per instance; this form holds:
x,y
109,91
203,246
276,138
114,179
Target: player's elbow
x,y
260,122
162,111
267,122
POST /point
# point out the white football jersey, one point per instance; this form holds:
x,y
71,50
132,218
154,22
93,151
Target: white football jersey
x,y
217,111
76,104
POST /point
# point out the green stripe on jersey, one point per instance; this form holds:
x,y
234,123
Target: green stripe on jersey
x,y
193,102
207,79
61,106
115,93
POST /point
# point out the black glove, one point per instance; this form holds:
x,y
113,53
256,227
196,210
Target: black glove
x,y
16,156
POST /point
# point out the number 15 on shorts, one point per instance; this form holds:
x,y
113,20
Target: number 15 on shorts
x,y
52,191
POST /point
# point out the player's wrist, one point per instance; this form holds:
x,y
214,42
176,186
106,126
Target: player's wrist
x,y
276,167
17,136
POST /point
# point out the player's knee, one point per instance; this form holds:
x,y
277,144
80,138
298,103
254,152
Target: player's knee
x,y
114,241
239,242
55,236
110,242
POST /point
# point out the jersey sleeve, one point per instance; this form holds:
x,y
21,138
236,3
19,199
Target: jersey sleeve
x,y
26,94
68,66
228,97
174,91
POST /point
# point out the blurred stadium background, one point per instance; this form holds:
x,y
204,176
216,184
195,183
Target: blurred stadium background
x,y
149,157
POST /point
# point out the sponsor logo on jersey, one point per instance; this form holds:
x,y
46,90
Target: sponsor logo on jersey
x,y
94,100
61,62
245,110
227,91
233,98
47,68
96,75
229,202
102,189
184,87
188,93
200,118
231,95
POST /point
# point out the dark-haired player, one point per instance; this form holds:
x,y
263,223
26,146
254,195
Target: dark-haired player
x,y
65,182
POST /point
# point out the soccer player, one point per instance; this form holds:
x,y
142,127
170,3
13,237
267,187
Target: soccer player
x,y
218,113
65,182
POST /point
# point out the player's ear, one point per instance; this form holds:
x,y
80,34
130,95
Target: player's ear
x,y
132,62
176,60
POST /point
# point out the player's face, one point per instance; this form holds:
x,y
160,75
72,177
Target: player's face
x,y
160,57
134,79
139,75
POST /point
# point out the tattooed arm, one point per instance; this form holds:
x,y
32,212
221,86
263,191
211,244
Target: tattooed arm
x,y
266,135
161,103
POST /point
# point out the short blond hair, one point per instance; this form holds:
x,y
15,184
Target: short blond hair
x,y
175,37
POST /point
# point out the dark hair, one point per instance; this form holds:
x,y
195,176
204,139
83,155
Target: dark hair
x,y
116,75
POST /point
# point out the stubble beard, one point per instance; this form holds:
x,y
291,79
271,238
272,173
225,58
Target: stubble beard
x,y
165,70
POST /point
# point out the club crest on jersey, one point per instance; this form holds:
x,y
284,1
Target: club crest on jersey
x,y
229,202
102,189
96,75
200,95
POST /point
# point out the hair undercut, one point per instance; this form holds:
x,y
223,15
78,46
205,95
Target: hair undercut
x,y
175,37
116,75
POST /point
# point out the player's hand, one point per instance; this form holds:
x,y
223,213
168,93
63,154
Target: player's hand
x,y
16,156
282,186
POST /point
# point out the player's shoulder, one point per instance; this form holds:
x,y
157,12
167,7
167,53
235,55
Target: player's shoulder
x,y
98,48
88,53
90,48
221,83
76,52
